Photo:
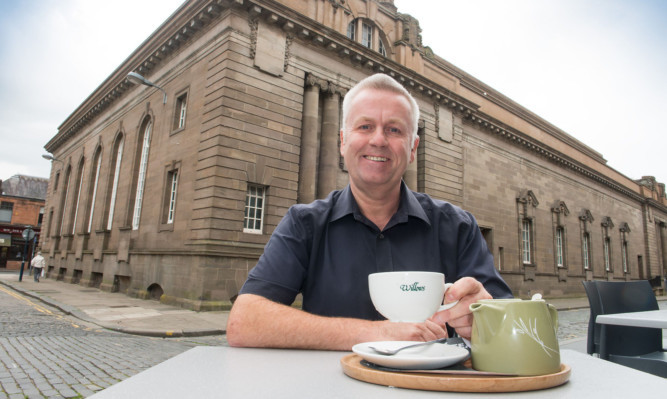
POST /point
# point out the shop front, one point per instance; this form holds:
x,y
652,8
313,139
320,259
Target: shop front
x,y
13,247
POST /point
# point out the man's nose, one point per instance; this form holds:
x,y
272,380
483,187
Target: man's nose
x,y
378,137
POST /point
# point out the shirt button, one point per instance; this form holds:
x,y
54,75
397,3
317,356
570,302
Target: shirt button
x,y
381,236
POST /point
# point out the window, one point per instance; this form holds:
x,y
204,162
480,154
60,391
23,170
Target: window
x,y
585,226
50,221
63,203
381,48
118,155
624,256
559,247
91,195
526,203
254,209
559,214
170,193
55,184
79,183
370,36
624,229
141,178
607,225
607,255
525,240
366,35
586,248
180,111
41,216
6,210
352,30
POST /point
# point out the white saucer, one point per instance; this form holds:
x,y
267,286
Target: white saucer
x,y
433,356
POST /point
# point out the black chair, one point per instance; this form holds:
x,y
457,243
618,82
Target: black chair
x,y
636,347
593,344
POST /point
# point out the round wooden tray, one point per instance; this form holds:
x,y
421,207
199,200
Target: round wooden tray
x,y
451,382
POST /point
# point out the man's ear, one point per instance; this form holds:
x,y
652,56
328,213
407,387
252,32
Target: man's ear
x,y
413,151
342,142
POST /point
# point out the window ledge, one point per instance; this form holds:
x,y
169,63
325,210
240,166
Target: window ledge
x,y
166,227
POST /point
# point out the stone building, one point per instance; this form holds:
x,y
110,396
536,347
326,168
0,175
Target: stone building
x,y
172,190
22,200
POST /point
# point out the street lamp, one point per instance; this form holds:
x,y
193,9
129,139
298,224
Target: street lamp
x,y
51,158
135,78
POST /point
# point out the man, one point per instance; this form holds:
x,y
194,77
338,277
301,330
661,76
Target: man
x,y
327,249
37,264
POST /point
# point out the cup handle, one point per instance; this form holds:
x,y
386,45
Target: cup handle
x,y
450,304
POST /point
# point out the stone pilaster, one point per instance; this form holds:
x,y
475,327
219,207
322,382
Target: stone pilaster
x,y
310,141
329,153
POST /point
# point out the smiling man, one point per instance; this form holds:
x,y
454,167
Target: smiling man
x,y
326,250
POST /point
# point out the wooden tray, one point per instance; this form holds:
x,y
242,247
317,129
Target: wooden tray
x,y
451,382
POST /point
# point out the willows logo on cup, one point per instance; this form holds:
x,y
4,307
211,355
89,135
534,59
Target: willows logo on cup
x,y
408,296
413,287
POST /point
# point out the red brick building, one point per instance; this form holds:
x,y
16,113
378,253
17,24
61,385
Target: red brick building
x,y
21,205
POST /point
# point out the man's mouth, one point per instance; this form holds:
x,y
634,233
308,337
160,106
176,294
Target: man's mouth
x,y
377,159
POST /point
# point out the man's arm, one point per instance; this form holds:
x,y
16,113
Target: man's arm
x,y
255,321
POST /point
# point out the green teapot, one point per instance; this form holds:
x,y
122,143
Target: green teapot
x,y
515,337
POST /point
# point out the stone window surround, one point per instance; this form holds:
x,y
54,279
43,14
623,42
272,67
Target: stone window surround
x,y
116,160
74,214
586,219
181,99
526,205
93,189
607,225
169,169
624,232
559,212
140,170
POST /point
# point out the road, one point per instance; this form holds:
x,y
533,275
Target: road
x,y
46,354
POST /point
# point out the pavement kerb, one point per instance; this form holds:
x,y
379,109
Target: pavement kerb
x,y
74,312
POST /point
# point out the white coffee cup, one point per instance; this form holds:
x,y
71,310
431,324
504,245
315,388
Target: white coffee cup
x,y
408,296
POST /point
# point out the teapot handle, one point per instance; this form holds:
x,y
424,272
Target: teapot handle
x,y
554,316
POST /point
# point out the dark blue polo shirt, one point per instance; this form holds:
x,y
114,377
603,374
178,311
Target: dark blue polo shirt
x,y
326,250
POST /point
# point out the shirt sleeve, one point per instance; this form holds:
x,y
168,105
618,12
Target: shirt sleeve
x,y
282,268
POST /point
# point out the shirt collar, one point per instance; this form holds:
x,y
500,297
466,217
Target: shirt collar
x,y
408,206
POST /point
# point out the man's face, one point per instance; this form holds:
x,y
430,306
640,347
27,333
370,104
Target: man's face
x,y
378,145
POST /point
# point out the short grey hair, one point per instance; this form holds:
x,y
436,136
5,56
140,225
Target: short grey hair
x,y
380,81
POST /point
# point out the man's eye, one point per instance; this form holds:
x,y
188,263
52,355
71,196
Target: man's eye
x,y
392,130
364,127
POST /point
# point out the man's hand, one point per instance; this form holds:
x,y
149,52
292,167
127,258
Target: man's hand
x,y
392,331
468,291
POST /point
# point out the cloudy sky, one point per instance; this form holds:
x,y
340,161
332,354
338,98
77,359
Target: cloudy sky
x,y
594,68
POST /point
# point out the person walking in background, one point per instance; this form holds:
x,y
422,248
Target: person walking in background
x,y
38,265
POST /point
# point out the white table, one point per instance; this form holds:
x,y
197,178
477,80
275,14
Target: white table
x,y
223,372
651,318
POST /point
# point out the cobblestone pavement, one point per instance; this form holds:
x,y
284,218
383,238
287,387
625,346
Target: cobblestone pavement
x,y
45,354
573,324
